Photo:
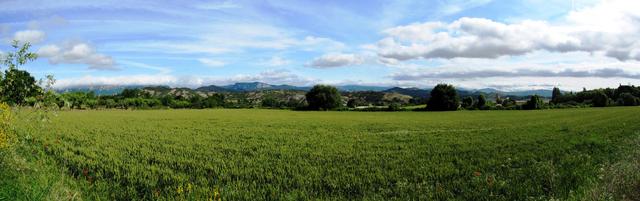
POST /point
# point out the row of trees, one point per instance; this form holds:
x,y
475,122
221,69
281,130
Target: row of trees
x,y
136,98
624,95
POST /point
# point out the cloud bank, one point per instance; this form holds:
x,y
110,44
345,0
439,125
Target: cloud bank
x,y
611,28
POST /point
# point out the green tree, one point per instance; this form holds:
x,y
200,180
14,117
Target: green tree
x,y
534,103
600,99
555,95
352,103
323,97
270,102
482,102
18,85
467,102
628,99
444,97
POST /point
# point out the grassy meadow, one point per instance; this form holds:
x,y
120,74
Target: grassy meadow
x,y
292,155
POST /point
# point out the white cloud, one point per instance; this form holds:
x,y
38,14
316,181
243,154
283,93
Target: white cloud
x,y
521,72
276,61
211,62
271,77
611,28
336,60
77,53
572,71
31,36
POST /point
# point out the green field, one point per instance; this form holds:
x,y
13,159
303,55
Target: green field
x,y
277,154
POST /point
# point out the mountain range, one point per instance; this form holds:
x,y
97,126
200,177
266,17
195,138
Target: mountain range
x,y
258,86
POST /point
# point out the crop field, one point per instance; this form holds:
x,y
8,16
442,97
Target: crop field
x,y
277,154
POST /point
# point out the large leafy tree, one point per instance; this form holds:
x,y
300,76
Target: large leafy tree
x,y
444,97
323,97
17,85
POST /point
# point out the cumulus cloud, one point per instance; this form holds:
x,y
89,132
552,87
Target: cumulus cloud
x,y
77,53
336,60
31,36
473,74
211,62
611,28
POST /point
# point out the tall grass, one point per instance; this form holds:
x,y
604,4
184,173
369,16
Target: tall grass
x,y
273,154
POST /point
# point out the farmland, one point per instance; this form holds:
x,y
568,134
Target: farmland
x,y
278,154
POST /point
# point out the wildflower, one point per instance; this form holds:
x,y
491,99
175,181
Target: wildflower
x,y
179,190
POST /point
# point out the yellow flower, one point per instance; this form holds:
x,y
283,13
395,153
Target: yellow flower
x,y
179,190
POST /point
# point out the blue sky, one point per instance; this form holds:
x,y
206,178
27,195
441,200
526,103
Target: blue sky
x,y
509,45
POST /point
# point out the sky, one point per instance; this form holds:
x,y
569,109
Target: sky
x,y
472,44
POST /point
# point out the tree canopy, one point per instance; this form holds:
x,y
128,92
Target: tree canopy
x,y
18,85
323,97
444,97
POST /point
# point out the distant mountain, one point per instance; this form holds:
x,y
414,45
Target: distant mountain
x,y
350,88
255,86
248,86
413,92
99,89
213,88
259,86
540,92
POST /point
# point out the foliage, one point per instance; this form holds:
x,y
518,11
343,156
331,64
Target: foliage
x,y
17,86
444,97
600,99
482,102
468,103
263,155
534,103
19,56
555,95
5,122
628,99
323,97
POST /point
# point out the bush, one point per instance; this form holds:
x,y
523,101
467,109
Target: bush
x,y
444,97
323,97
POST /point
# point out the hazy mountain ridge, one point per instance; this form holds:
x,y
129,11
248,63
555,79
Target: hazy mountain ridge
x,y
260,86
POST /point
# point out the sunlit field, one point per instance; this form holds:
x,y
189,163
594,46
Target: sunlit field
x,y
278,154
